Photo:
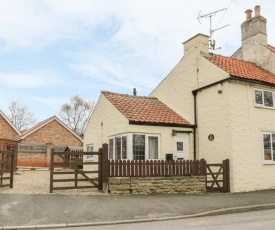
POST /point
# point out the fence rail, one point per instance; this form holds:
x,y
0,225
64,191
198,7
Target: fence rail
x,y
74,177
141,168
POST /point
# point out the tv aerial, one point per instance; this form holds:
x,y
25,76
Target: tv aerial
x,y
212,43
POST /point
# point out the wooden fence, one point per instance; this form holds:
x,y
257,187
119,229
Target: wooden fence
x,y
141,168
6,168
72,176
218,177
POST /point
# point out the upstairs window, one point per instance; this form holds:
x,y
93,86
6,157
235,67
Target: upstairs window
x,y
264,98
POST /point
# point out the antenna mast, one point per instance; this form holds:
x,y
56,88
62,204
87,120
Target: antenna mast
x,y
211,31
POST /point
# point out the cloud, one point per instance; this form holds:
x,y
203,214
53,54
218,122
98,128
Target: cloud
x,y
89,45
31,79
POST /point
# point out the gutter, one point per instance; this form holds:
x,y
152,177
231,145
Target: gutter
x,y
131,122
236,78
195,124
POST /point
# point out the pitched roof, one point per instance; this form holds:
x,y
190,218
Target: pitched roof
x,y
147,110
272,48
242,69
41,124
10,123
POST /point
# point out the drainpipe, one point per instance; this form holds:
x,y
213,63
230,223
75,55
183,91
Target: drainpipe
x,y
195,123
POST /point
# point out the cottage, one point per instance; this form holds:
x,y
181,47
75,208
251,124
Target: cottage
x,y
216,108
137,128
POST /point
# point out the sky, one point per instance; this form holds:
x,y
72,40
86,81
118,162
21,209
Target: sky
x,y
51,50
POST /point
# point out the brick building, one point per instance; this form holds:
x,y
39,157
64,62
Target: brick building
x,y
7,129
35,144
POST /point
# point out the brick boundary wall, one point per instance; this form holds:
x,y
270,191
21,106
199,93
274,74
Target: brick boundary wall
x,y
189,185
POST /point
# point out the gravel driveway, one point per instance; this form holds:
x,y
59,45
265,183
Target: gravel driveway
x,y
38,182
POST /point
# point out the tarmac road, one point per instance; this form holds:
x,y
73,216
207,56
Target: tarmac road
x,y
70,210
249,220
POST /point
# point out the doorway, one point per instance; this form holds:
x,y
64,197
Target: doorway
x,y
181,146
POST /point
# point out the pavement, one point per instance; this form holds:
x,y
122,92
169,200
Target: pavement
x,y
54,210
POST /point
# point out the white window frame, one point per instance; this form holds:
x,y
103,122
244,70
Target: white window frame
x,y
272,160
130,144
263,105
114,150
90,157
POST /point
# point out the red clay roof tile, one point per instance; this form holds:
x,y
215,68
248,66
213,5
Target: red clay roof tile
x,y
242,69
272,48
144,109
41,124
27,131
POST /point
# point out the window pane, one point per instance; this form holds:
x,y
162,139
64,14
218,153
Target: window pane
x,y
138,147
179,146
258,97
90,148
124,147
267,146
111,148
118,148
153,147
268,99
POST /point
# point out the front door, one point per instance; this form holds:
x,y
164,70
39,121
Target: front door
x,y
181,146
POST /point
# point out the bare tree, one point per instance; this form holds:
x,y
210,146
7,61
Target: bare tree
x,y
20,116
77,113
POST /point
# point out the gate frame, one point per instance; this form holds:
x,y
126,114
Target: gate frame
x,y
3,164
222,170
96,182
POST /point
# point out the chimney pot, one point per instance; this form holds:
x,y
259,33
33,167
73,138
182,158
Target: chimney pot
x,y
248,14
257,11
135,92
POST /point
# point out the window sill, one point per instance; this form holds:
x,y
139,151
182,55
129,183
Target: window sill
x,y
263,107
269,163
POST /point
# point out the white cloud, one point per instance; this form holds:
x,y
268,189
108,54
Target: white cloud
x,y
31,79
117,44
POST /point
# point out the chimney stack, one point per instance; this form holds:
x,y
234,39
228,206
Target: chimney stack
x,y
248,14
135,92
254,37
257,11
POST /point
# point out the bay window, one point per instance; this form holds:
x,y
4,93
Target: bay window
x,y
134,146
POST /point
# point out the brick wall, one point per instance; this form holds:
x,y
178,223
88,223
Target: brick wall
x,y
38,158
6,131
189,185
54,133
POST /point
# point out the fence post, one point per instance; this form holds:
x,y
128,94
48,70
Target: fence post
x,y
105,167
202,167
100,169
12,169
51,170
226,176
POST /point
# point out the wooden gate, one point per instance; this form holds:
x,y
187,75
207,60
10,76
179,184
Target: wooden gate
x,y
217,177
73,175
6,168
